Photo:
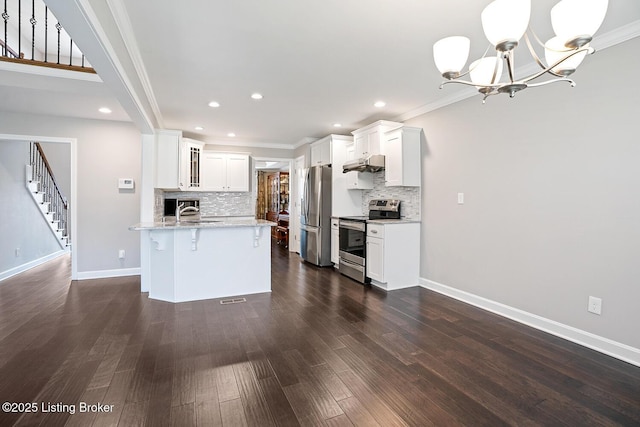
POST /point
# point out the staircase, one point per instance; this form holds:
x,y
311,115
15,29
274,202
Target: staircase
x,y
47,195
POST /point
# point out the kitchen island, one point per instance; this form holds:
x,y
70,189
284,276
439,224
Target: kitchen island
x,y
205,258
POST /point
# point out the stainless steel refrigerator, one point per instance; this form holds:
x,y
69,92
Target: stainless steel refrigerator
x,y
315,218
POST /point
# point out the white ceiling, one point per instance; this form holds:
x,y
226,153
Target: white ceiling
x,y
316,62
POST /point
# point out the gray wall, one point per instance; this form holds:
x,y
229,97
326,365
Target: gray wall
x,y
107,150
22,225
59,158
552,205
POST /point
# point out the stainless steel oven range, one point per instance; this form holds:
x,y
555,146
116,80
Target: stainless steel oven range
x,y
353,237
353,233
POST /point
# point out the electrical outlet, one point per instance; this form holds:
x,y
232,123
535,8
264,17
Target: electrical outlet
x,y
460,198
121,254
595,305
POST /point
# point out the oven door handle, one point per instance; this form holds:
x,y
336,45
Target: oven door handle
x,y
357,226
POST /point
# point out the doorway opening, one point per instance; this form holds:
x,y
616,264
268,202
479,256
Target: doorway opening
x,y
28,227
273,195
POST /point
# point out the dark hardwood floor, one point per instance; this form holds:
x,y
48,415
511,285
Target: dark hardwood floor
x,y
319,350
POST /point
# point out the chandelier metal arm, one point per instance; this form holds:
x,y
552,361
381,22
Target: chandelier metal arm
x,y
549,69
535,55
468,83
562,79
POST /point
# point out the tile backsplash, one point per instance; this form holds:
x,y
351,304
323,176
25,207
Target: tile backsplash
x,y
211,203
409,197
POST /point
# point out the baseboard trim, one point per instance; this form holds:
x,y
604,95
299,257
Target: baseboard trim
x,y
24,267
105,274
609,347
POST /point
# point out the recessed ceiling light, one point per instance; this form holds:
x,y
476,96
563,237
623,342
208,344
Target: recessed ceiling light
x,y
337,125
231,134
256,96
214,104
199,128
105,110
379,104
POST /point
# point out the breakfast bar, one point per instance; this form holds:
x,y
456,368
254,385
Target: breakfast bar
x,y
202,259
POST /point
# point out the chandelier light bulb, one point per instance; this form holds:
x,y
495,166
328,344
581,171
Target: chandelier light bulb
x,y
482,70
450,54
505,21
576,21
555,51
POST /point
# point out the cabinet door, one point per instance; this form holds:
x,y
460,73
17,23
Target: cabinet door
x,y
168,161
361,146
393,159
192,166
237,172
214,172
321,153
375,259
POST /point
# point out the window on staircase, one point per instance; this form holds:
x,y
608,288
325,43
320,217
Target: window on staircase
x,y
31,34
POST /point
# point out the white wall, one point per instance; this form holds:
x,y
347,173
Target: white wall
x,y
22,226
107,150
552,205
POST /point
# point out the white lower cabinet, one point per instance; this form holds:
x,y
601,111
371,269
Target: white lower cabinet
x,y
375,258
335,241
393,254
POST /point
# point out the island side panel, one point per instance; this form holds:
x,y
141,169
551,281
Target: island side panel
x,y
226,262
161,272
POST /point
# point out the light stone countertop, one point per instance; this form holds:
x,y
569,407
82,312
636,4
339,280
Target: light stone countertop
x,y
202,223
393,221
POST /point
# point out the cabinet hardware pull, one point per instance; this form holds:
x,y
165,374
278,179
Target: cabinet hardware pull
x,y
374,231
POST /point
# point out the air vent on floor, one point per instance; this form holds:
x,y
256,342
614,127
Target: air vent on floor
x,y
233,301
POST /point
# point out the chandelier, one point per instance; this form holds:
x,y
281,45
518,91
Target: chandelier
x,y
504,23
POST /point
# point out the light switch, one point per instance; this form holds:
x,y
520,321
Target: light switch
x,y
460,198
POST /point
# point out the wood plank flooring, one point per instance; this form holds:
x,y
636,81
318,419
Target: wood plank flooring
x,y
319,350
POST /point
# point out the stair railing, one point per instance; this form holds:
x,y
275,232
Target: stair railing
x,y
41,173
40,20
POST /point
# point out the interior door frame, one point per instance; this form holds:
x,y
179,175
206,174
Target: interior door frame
x,y
74,187
254,183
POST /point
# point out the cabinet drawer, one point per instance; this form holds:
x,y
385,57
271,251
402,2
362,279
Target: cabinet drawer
x,y
375,230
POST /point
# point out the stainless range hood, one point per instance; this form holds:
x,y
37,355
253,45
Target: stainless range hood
x,y
373,163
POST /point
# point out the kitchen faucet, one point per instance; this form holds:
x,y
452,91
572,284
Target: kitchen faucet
x,y
180,209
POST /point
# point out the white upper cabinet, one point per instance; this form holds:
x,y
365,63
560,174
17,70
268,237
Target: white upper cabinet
x,y
401,148
321,152
368,139
357,180
225,171
177,161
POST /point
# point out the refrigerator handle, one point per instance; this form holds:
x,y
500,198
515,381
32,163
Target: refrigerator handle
x,y
306,195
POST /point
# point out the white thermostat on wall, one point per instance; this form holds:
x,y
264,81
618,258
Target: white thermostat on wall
x,y
125,184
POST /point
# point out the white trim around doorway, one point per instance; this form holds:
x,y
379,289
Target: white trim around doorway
x,y
74,188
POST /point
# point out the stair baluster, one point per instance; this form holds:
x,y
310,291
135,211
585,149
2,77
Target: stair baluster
x,y
52,197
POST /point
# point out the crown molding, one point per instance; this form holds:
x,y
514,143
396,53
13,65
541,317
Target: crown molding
x,y
122,21
304,141
604,41
251,144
